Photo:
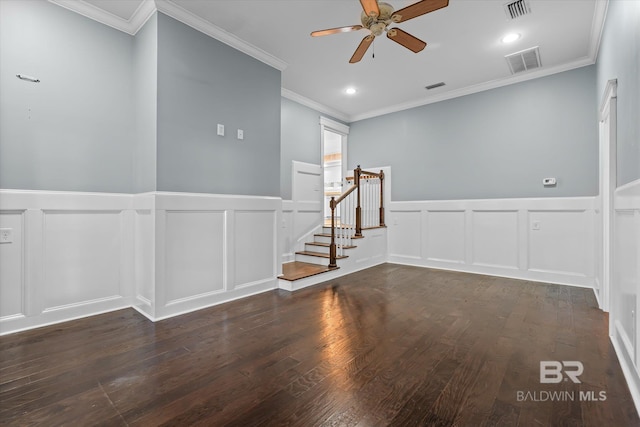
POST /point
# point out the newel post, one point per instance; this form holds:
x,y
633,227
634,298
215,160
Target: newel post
x,y
356,176
332,246
382,198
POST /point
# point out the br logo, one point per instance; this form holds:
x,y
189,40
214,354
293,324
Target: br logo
x,y
553,372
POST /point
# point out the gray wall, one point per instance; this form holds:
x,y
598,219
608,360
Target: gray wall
x,y
300,140
619,57
74,130
203,82
145,75
495,144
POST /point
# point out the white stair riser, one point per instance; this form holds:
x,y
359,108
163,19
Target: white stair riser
x,y
320,249
322,239
327,230
312,259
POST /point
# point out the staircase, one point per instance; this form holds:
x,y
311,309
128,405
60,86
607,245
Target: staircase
x,y
361,204
315,257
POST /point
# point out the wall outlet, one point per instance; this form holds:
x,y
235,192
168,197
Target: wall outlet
x,y
6,235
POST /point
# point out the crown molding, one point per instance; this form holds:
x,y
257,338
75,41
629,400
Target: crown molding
x,y
129,26
597,28
171,9
469,90
286,93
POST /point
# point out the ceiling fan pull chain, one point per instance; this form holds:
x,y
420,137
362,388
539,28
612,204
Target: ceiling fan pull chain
x,y
373,50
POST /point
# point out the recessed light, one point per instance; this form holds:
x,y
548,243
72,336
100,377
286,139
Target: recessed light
x,y
350,91
510,38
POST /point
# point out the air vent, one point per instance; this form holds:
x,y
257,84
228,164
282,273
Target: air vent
x,y
524,60
517,9
435,85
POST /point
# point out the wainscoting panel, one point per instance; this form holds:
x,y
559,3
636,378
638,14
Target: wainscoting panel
x,y
407,225
82,253
444,239
549,240
12,283
194,257
255,250
70,256
553,234
144,253
495,239
212,249
625,284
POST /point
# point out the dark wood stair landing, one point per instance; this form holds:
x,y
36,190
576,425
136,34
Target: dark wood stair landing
x,y
300,270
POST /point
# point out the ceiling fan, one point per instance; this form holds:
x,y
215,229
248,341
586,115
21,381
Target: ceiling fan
x,y
376,17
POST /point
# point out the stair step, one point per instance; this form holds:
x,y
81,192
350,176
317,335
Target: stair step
x,y
326,245
329,235
319,254
297,270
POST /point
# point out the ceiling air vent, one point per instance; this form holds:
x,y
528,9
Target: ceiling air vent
x,y
435,85
516,9
524,60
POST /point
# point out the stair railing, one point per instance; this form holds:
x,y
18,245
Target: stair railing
x,y
361,206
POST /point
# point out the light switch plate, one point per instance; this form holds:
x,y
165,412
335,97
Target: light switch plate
x,y
221,130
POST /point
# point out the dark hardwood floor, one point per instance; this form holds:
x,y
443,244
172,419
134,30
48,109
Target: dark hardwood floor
x,y
391,345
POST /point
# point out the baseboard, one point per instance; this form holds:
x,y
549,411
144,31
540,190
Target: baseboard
x,y
628,368
566,280
79,311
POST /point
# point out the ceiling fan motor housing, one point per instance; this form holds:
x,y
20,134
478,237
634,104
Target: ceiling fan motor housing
x,y
377,24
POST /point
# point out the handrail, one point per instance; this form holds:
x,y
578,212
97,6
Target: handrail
x,y
358,176
378,174
345,194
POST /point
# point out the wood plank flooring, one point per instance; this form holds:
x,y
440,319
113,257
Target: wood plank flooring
x,y
391,345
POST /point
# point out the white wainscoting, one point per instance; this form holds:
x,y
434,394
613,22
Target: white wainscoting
x,y
77,254
302,215
300,220
70,256
550,239
208,249
625,285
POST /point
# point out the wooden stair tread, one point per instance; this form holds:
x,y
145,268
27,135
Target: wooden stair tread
x,y
297,270
326,245
319,254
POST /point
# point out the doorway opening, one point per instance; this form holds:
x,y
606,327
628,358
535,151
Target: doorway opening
x,y
332,165
334,162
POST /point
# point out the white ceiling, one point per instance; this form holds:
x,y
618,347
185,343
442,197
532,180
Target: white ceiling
x,y
463,45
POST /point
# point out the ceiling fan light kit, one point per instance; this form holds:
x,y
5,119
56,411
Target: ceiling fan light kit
x,y
376,17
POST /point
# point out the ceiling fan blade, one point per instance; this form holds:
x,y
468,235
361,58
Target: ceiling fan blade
x,y
336,30
417,9
362,49
412,43
370,7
